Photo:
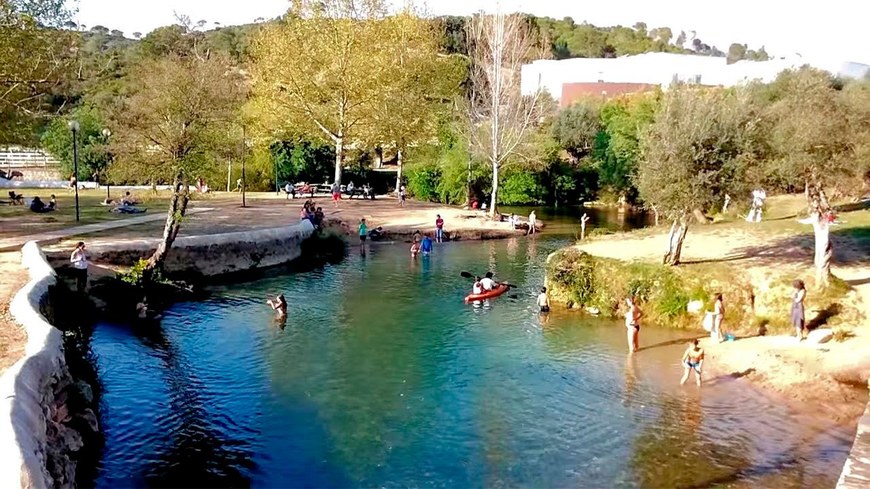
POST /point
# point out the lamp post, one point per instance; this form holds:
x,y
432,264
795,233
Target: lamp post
x,y
106,134
244,154
74,127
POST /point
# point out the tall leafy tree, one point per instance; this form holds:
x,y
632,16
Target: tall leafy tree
x,y
698,149
93,153
35,57
318,71
576,128
176,122
420,90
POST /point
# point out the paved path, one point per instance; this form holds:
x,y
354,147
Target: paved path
x,y
17,242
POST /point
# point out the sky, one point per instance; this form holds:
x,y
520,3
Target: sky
x,y
814,29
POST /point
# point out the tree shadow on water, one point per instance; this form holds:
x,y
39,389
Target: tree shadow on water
x,y
191,451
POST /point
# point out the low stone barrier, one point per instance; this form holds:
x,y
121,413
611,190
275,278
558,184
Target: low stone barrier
x,y
856,471
27,388
214,254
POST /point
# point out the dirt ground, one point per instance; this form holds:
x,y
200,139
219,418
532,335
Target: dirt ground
x,y
12,337
829,379
265,210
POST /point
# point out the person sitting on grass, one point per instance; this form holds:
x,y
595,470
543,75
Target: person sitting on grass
x,y
37,205
693,359
128,199
52,203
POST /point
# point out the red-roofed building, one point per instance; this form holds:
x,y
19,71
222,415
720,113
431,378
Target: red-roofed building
x,y
572,92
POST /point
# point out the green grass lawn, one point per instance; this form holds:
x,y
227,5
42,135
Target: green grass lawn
x,y
17,220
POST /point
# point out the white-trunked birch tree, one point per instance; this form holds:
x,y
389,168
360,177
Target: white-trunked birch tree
x,y
501,118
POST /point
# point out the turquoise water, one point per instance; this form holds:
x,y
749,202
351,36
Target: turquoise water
x,y
381,376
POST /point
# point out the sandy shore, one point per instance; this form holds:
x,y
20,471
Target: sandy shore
x,y
828,380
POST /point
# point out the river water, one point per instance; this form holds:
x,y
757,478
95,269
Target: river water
x,y
383,377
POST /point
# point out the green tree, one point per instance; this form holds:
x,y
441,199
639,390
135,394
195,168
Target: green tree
x,y
811,139
421,89
576,128
617,150
35,57
698,148
319,70
736,52
181,116
92,144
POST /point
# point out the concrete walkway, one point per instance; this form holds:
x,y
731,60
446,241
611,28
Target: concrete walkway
x,y
16,242
856,473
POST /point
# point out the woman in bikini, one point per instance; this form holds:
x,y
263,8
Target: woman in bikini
x,y
693,359
632,324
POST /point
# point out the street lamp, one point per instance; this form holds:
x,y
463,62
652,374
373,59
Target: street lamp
x,y
74,127
106,134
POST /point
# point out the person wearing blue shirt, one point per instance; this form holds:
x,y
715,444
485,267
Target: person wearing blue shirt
x,y
426,245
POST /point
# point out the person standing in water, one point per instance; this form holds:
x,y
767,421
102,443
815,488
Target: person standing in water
x,y
533,222
279,305
426,244
798,319
363,232
79,261
544,300
632,324
693,359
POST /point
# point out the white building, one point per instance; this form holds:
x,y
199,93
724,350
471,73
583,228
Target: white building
x,y
663,69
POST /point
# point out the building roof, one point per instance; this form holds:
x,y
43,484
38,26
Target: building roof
x,y
571,92
663,69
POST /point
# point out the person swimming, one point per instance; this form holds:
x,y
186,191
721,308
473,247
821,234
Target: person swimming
x,y
693,359
279,305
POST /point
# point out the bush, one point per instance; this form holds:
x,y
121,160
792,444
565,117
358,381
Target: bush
x,y
423,181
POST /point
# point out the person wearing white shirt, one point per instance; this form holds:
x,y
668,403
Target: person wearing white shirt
x,y
79,261
487,282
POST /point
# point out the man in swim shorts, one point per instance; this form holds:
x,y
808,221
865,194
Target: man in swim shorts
x,y
693,359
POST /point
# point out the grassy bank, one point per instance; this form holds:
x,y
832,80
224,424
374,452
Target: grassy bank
x,y
751,264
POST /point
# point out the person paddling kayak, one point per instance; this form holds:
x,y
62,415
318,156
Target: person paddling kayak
x,y
487,282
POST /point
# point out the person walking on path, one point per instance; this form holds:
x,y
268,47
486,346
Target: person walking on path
x,y
798,319
439,229
693,359
79,261
336,194
533,222
363,232
402,196
632,324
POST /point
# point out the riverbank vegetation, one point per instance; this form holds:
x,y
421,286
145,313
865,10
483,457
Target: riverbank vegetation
x,y
344,88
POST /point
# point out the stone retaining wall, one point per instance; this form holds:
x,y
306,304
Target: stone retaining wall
x,y
214,254
856,471
30,423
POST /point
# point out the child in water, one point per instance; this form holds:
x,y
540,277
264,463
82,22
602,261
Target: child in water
x,y
544,300
415,249
693,359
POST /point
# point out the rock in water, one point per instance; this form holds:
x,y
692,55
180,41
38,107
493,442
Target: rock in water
x,y
819,336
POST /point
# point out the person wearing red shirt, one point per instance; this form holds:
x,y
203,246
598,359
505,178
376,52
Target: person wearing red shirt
x,y
439,229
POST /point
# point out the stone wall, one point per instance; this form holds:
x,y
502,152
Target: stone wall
x,y
856,471
35,420
214,254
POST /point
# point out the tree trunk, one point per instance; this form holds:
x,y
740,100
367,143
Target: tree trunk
x,y
399,173
824,249
679,228
494,196
339,157
177,209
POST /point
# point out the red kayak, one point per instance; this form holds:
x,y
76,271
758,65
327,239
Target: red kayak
x,y
489,294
